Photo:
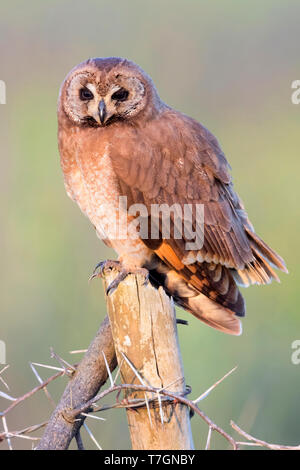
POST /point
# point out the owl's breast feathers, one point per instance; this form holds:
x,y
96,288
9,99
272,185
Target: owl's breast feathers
x,y
166,160
91,181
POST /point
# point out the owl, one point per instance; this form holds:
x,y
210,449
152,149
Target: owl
x,y
118,141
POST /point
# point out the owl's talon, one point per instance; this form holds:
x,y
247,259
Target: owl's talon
x,y
145,273
123,274
114,284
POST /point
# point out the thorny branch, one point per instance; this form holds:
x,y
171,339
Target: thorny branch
x,y
142,388
158,397
21,399
84,384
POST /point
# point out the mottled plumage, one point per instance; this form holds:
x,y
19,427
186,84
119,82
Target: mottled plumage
x,y
117,138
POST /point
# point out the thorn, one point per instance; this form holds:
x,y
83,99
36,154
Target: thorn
x,y
207,447
160,409
171,383
108,370
93,416
205,394
48,367
6,432
69,369
92,437
78,351
4,368
134,369
1,378
7,397
118,371
148,409
41,381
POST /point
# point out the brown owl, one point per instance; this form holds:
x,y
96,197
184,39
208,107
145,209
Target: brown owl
x,y
119,141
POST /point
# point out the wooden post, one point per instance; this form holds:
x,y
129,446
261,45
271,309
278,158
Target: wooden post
x,y
144,329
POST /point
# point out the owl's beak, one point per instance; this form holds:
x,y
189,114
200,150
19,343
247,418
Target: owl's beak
x,y
102,111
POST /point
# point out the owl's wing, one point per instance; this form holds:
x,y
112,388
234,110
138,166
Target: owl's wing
x,y
178,161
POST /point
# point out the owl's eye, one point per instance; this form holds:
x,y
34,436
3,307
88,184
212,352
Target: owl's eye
x,y
86,94
120,95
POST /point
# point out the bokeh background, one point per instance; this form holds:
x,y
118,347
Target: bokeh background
x,y
228,64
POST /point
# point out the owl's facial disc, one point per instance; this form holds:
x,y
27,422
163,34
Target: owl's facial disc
x,y
124,99
94,103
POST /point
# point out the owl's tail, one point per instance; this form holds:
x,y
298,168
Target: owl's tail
x,y
210,291
218,310
212,313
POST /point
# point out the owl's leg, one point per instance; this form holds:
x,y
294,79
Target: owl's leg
x,y
123,273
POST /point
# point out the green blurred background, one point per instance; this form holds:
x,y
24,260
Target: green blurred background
x,y
228,64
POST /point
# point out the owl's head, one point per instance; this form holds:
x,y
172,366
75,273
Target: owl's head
x,y
99,92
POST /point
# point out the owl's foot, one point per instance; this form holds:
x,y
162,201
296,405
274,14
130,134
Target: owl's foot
x,y
123,273
103,265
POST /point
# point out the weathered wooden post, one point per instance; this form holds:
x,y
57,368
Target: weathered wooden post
x,y
144,329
